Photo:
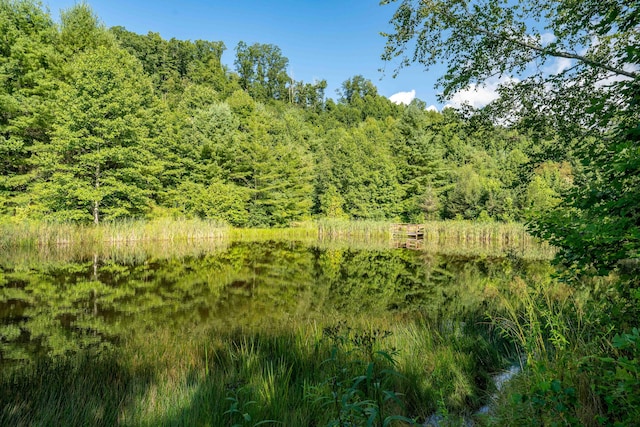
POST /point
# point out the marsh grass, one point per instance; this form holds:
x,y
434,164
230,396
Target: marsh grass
x,y
550,328
124,252
306,232
121,237
491,238
445,237
46,234
283,376
331,229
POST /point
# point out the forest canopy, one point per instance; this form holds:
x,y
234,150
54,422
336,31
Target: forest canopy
x,y
570,66
99,124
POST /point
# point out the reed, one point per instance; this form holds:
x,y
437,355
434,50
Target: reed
x,y
47,234
163,229
472,237
331,229
505,235
446,237
178,237
302,232
557,339
124,252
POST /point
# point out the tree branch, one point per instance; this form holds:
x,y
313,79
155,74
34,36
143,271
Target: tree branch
x,y
558,54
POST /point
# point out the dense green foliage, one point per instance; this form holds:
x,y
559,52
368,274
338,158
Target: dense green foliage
x,y
569,68
100,124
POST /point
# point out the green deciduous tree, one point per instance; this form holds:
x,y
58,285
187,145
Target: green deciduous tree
x,y
263,71
99,164
173,64
576,63
360,166
544,191
218,200
421,166
29,64
309,95
271,159
81,31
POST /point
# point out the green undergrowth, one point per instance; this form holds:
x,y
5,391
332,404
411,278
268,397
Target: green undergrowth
x,y
580,355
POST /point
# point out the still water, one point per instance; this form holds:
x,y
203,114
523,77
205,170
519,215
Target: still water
x,y
60,304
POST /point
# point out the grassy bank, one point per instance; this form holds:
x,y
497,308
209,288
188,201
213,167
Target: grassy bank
x,y
469,238
449,237
46,234
311,374
578,369
331,229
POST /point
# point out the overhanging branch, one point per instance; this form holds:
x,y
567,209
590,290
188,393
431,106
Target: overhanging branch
x,y
558,54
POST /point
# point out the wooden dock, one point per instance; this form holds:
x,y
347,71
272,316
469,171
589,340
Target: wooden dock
x,y
409,231
407,235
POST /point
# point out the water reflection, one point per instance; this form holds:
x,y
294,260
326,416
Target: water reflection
x,y
56,307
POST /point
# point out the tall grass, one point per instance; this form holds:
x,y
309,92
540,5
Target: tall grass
x,y
133,252
46,234
555,339
285,376
304,232
489,238
446,237
344,229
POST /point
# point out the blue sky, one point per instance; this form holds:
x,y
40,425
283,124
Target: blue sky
x,y
323,39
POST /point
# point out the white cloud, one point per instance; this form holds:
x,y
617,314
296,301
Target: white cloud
x,y
432,108
403,97
479,95
558,66
615,78
546,38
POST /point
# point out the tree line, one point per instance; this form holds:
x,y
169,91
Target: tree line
x,y
102,124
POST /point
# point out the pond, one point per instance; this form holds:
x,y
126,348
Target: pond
x,y
60,305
